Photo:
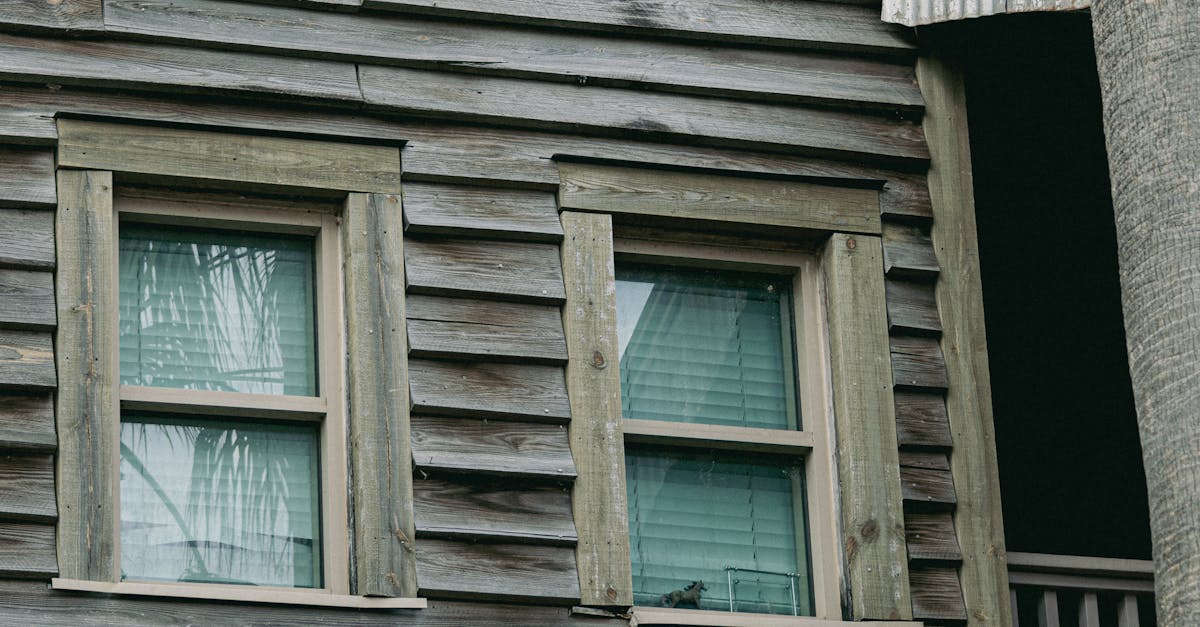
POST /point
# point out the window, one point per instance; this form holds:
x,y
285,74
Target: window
x,y
219,312
215,497
712,347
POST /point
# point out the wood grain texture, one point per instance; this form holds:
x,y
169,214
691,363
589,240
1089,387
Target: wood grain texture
x,y
68,17
928,488
27,551
868,462
27,423
27,239
575,108
439,152
377,369
533,53
27,488
154,67
717,202
212,156
917,363
497,510
921,420
908,253
931,537
26,174
507,449
518,572
465,211
793,24
924,459
593,383
516,271
912,308
26,361
459,328
937,594
86,355
977,518
26,300
504,391
32,604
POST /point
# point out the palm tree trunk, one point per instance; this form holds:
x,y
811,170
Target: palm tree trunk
x,y
1148,55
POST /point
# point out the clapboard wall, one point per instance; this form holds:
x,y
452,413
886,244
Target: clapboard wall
x,y
483,95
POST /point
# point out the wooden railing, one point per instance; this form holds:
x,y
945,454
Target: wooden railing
x,y
1066,590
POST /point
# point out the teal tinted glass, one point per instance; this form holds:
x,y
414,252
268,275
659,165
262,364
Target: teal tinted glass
x,y
706,346
714,519
220,502
217,310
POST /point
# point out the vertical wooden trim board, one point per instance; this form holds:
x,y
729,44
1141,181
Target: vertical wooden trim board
x,y
385,563
868,460
977,519
86,354
594,388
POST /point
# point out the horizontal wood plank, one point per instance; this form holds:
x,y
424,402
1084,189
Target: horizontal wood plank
x,y
440,152
912,308
189,153
27,239
937,594
567,107
930,537
72,16
27,551
231,593
927,488
26,174
717,201
154,67
924,459
470,329
515,271
519,572
31,604
908,253
26,360
27,423
792,24
505,391
465,211
535,53
511,449
494,510
27,488
917,363
27,299
921,420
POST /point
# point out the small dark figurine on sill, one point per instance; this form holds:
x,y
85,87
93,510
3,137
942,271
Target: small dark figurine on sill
x,y
688,597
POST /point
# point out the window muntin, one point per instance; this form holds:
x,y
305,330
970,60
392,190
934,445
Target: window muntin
x,y
218,501
217,310
713,347
706,346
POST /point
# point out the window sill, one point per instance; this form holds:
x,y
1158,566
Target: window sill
x,y
248,594
708,618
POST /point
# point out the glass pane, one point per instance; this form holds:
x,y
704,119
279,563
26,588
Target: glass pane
x,y
217,310
705,346
220,502
729,525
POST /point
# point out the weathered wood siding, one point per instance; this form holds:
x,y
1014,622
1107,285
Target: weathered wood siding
x,y
484,96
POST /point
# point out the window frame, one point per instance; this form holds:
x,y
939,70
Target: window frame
x,y
858,550
349,201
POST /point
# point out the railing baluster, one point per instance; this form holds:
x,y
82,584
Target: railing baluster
x,y
1089,610
1128,612
1012,598
1048,609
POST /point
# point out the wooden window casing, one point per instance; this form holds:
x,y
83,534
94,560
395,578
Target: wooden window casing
x,y
353,214
843,371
